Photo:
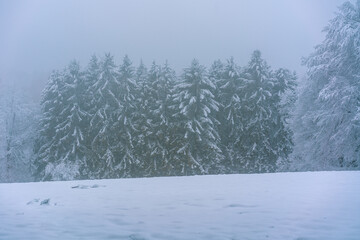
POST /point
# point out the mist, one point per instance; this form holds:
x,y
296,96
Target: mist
x,y
39,36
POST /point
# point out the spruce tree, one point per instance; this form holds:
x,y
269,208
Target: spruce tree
x,y
230,95
142,113
216,76
152,148
73,126
159,118
284,98
164,131
257,144
106,106
61,155
198,150
125,125
91,105
51,103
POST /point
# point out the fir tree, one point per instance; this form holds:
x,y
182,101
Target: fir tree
x,y
164,131
158,158
230,95
106,107
125,126
61,156
216,76
91,106
257,143
284,98
198,150
152,148
51,104
142,113
72,129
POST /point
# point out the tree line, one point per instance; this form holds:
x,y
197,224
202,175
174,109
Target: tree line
x,y
111,121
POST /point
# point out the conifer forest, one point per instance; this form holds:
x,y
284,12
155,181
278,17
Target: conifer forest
x,y
109,119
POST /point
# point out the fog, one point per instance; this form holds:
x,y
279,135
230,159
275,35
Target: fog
x,y
39,36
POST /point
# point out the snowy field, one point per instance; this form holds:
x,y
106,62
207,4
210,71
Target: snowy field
x,y
317,205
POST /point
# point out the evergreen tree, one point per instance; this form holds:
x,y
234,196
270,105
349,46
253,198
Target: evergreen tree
x,y
327,122
284,98
91,106
142,113
216,76
152,148
230,95
46,147
62,155
164,131
106,108
72,129
198,150
125,126
159,95
257,143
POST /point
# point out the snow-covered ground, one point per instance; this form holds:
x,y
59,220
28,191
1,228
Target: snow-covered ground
x,y
316,205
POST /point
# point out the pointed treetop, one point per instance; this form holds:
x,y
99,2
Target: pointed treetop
x,y
93,61
108,61
155,69
74,67
127,61
195,62
258,67
216,66
141,70
256,55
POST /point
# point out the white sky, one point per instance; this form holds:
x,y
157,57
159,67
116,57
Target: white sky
x,y
37,36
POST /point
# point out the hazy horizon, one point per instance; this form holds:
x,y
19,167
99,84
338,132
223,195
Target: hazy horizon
x,y
40,36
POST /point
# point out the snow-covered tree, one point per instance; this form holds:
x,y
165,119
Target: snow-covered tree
x,y
283,100
125,125
92,76
106,106
51,106
198,149
216,75
18,124
73,128
62,154
327,121
150,153
91,107
157,157
141,79
142,106
164,131
230,96
257,144
51,102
